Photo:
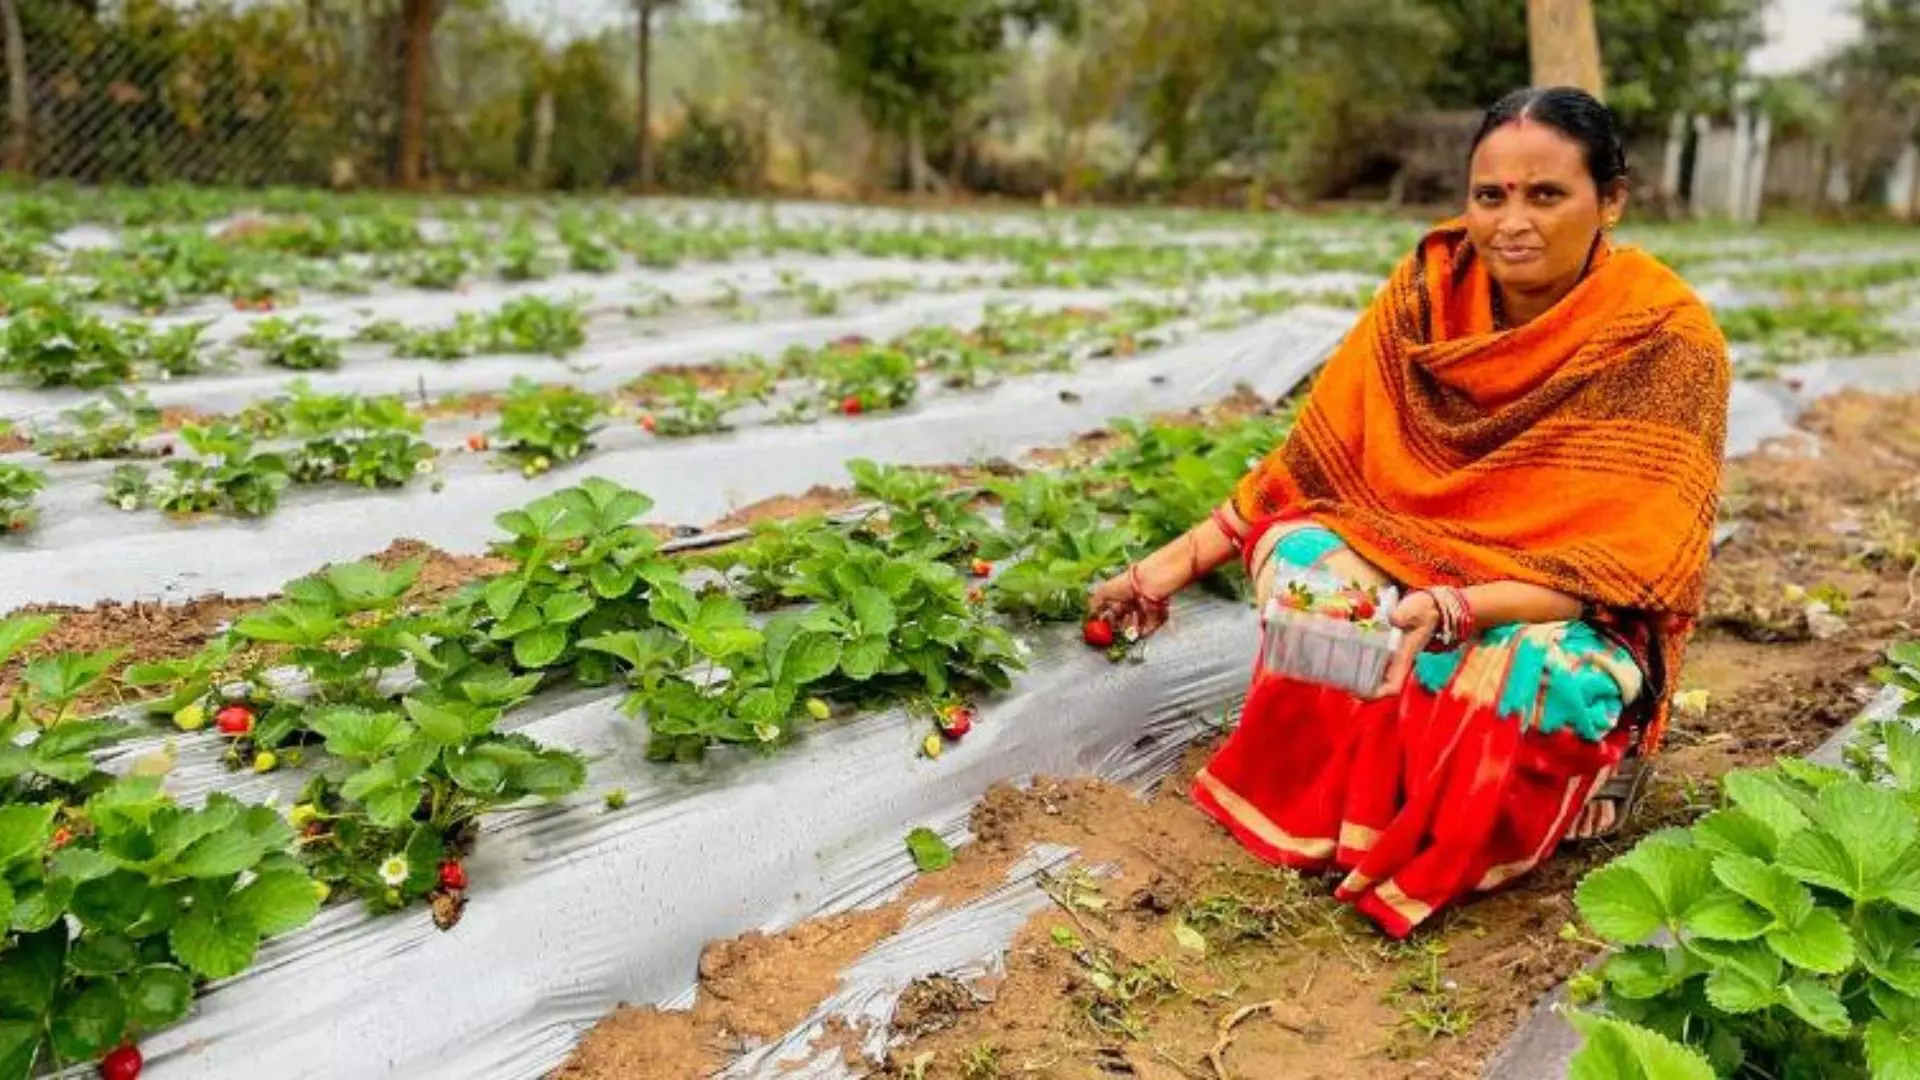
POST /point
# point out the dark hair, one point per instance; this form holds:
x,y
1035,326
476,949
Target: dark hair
x,y
1572,112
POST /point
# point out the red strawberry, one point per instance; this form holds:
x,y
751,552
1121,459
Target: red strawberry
x,y
647,421
123,1063
956,721
62,836
235,719
453,875
477,442
1363,609
1098,633
982,568
851,406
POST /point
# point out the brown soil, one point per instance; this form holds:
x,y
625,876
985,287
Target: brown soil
x,y
1099,986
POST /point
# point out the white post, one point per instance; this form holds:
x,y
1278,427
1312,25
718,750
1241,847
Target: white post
x,y
1737,167
1757,171
1670,166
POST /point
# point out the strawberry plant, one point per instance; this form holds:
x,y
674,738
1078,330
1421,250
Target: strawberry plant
x,y
1776,936
925,517
18,487
293,344
385,460
340,627
544,425
97,430
589,256
532,325
120,900
59,345
681,410
523,257
227,477
878,378
583,564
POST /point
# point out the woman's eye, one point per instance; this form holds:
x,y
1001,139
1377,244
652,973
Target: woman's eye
x,y
1487,198
1546,198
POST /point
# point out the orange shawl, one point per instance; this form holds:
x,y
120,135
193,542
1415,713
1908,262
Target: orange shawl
x,y
1580,452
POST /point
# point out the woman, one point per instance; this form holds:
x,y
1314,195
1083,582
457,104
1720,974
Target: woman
x,y
1524,434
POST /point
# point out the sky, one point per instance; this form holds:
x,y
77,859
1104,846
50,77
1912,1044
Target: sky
x,y
1800,32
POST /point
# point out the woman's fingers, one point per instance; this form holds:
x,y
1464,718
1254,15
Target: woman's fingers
x,y
1401,667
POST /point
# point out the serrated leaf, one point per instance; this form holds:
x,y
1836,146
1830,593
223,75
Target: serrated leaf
x,y
540,647
874,610
24,830
1734,991
1819,943
1736,832
114,902
30,972
439,724
929,851
610,582
91,1022
1616,1050
1725,917
158,995
19,1047
1640,972
1619,904
1818,1005
503,594
1764,798
212,945
861,660
222,854
276,902
566,607
476,773
1772,888
20,631
102,954
359,733
809,657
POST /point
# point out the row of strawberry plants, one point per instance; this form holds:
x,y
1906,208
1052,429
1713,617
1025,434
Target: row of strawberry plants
x,y
1778,936
121,901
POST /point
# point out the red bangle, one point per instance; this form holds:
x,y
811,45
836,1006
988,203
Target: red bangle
x,y
1140,593
1234,536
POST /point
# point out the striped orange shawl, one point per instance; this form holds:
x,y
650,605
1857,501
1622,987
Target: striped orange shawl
x,y
1580,452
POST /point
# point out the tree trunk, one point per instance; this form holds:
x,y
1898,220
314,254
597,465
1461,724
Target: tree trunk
x,y
1564,46
643,136
413,118
13,156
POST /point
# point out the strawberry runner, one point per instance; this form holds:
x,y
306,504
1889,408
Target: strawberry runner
x,y
1580,452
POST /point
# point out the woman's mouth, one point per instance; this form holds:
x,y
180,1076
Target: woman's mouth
x,y
1517,256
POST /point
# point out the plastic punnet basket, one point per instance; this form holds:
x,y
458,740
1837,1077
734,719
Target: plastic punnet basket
x,y
1322,642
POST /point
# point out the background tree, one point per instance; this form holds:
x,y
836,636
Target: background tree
x,y
914,64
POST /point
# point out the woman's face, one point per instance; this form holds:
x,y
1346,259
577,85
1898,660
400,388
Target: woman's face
x,y
1533,208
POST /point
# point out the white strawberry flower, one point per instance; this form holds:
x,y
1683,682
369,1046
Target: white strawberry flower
x,y
394,871
767,732
1692,702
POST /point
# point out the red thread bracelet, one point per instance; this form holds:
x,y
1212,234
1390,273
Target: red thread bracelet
x,y
1234,536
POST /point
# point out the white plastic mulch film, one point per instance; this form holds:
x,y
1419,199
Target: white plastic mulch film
x,y
576,909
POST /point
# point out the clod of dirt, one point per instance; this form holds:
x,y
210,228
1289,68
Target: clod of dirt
x,y
929,1005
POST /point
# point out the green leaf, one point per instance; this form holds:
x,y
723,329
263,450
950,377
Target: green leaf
x,y
441,725
610,582
359,733
1619,904
503,594
550,775
874,610
809,657
1765,798
36,909
20,631
1616,1050
1818,943
158,995
89,1023
1189,939
30,972
102,954
1818,1005
1639,972
476,773
1736,832
566,607
1732,990
276,901
212,944
929,852
222,854
24,831
540,647
291,623
114,902
1864,831
1768,886
1725,917
863,659
79,864
19,1047
1903,754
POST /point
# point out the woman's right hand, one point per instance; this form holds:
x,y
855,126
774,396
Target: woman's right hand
x,y
1118,601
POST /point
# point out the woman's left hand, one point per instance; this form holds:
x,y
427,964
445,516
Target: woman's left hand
x,y
1417,617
